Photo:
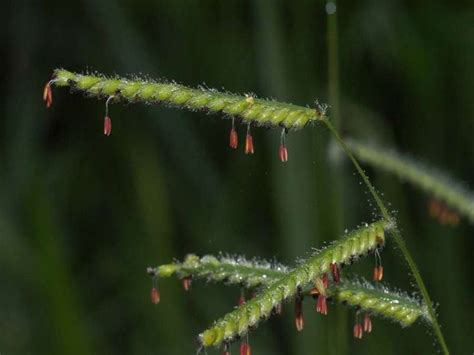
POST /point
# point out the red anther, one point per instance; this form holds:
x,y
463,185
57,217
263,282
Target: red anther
x,y
107,125
376,273
155,296
358,331
245,349
380,273
187,283
248,144
299,320
367,323
335,273
283,153
322,305
233,139
48,94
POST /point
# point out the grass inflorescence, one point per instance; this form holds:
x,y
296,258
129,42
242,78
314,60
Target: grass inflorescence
x,y
260,112
430,180
345,250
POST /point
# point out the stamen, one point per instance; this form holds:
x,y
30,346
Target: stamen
x,y
358,330
321,286
299,320
283,151
155,294
245,348
187,283
233,139
107,120
367,323
336,276
248,141
378,269
48,94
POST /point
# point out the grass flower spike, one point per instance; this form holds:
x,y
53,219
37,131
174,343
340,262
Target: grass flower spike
x,y
344,250
259,112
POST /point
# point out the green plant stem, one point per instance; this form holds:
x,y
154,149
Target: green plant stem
x,y
336,170
398,238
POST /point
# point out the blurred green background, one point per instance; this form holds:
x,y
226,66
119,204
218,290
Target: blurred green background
x,y
83,215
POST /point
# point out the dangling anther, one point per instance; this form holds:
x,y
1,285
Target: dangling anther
x,y
378,269
367,323
321,304
233,139
155,294
107,120
241,300
48,93
187,283
245,347
358,330
283,151
248,141
299,320
336,276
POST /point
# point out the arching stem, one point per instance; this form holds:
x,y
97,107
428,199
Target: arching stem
x,y
396,236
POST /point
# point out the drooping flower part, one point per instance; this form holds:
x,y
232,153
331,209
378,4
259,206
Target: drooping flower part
x,y
233,139
378,269
336,276
107,126
187,283
358,328
322,305
107,120
155,295
367,323
248,141
48,94
283,151
358,331
299,320
241,300
321,286
245,348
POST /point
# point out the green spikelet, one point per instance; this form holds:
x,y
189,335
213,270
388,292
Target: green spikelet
x,y
342,251
260,112
379,301
231,270
358,293
428,179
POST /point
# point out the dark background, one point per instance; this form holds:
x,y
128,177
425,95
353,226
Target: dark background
x,y
83,215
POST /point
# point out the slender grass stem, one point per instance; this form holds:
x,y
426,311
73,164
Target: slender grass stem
x,y
397,237
336,169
